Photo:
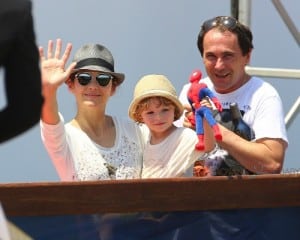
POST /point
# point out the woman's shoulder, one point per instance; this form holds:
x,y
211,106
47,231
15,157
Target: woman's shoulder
x,y
126,126
130,129
124,122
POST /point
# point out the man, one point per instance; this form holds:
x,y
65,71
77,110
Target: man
x,y
226,46
20,61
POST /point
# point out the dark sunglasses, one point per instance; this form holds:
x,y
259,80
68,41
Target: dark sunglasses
x,y
85,78
226,21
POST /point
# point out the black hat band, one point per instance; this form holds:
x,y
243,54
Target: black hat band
x,y
94,61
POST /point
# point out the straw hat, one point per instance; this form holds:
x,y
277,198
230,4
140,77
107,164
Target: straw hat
x,y
98,58
154,85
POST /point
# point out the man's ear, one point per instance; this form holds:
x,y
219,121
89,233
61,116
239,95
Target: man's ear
x,y
248,57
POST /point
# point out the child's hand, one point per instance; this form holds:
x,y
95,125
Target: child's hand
x,y
200,170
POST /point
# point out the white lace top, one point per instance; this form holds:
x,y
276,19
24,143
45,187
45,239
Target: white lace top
x,y
76,157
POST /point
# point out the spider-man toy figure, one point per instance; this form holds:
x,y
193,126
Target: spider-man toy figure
x,y
196,93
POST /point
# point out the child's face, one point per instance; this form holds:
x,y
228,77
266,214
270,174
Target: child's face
x,y
159,117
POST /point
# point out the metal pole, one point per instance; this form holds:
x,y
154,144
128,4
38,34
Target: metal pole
x,y
235,8
245,12
273,72
288,21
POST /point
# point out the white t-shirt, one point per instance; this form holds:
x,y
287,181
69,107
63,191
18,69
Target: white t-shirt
x,y
260,104
76,157
259,101
173,157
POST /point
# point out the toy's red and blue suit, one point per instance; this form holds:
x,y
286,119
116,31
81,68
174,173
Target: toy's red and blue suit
x,y
196,93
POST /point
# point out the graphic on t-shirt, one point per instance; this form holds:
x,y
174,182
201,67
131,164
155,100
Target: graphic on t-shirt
x,y
220,163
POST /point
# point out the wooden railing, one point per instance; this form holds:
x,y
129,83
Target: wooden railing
x,y
172,194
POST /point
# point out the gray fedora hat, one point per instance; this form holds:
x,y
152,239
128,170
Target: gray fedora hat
x,y
98,58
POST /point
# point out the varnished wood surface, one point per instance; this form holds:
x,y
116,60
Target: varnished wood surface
x,y
172,194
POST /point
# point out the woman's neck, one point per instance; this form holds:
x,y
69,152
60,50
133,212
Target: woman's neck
x,y
100,129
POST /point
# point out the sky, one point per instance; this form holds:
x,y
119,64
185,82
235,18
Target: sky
x,y
149,37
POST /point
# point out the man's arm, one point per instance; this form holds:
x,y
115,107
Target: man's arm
x,y
265,155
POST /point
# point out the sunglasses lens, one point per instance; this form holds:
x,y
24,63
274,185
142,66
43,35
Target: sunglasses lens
x,y
209,24
103,79
229,22
225,21
84,78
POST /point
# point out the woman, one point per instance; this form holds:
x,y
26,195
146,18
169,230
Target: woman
x,y
93,145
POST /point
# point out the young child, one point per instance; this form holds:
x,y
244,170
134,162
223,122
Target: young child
x,y
170,150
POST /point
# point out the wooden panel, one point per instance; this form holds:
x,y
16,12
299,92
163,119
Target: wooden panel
x,y
60,198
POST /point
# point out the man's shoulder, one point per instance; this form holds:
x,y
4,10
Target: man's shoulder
x,y
259,84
